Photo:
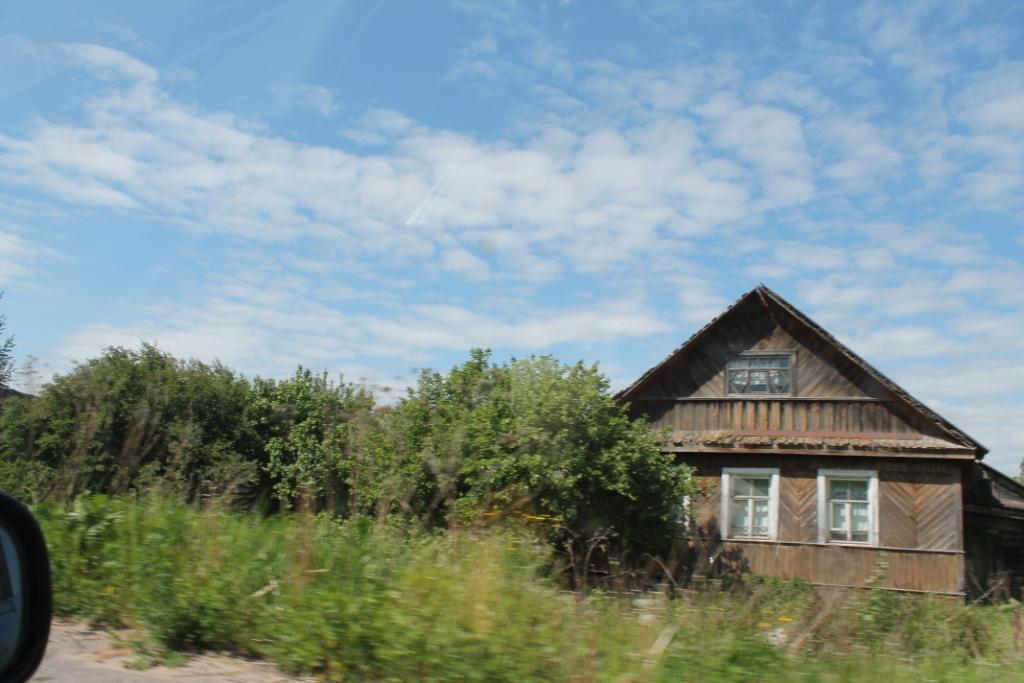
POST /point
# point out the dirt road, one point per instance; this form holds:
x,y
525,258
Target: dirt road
x,y
78,654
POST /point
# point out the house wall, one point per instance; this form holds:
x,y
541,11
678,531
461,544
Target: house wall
x,y
778,414
920,519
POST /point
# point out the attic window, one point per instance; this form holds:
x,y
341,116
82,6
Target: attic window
x,y
760,374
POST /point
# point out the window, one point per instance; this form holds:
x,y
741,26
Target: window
x,y
760,374
848,506
750,503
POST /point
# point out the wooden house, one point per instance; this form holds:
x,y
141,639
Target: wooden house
x,y
812,464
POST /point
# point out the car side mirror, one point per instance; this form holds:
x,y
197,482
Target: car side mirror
x,y
26,593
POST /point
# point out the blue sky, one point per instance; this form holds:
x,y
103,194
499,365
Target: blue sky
x,y
375,187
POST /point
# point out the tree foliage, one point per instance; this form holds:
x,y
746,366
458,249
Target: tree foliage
x,y
540,438
530,438
307,423
136,419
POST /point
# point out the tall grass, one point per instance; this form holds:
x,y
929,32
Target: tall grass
x,y
357,599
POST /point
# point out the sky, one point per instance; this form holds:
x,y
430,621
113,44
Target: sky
x,y
371,188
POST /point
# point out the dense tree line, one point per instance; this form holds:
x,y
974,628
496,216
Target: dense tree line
x,y
532,437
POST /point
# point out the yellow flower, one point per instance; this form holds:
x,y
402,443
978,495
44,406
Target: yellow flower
x,y
785,620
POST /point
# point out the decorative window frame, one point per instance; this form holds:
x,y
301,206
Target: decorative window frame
x,y
773,501
823,508
791,354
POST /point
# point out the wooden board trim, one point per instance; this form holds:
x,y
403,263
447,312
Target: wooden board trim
x,y
860,546
994,512
766,397
916,591
929,454
894,436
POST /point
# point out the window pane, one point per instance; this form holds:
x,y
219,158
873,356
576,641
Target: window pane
x,y
859,516
858,490
740,486
779,380
737,381
760,487
838,535
859,536
740,518
839,490
839,516
758,381
760,518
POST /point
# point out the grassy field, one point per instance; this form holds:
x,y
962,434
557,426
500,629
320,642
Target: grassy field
x,y
358,600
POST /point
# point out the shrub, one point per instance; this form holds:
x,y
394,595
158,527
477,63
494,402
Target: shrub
x,y
360,600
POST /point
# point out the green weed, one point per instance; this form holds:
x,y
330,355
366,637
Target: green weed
x,y
359,599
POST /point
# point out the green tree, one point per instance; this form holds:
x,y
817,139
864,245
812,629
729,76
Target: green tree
x,y
133,419
544,439
307,424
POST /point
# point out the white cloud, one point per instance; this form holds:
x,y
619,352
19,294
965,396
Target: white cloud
x,y
992,108
108,62
20,257
805,256
602,197
771,140
241,319
464,263
905,341
698,300
315,98
995,100
863,157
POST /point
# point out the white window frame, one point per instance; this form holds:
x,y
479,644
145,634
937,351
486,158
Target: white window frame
x,y
824,523
773,501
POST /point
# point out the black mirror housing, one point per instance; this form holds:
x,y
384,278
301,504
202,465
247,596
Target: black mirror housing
x,y
26,593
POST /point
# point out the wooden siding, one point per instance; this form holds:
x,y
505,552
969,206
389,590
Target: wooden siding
x,y
818,369
778,414
829,392
920,517
850,566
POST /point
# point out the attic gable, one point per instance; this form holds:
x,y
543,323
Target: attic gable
x,y
825,370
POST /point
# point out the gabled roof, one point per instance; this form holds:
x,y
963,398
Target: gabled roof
x,y
770,300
